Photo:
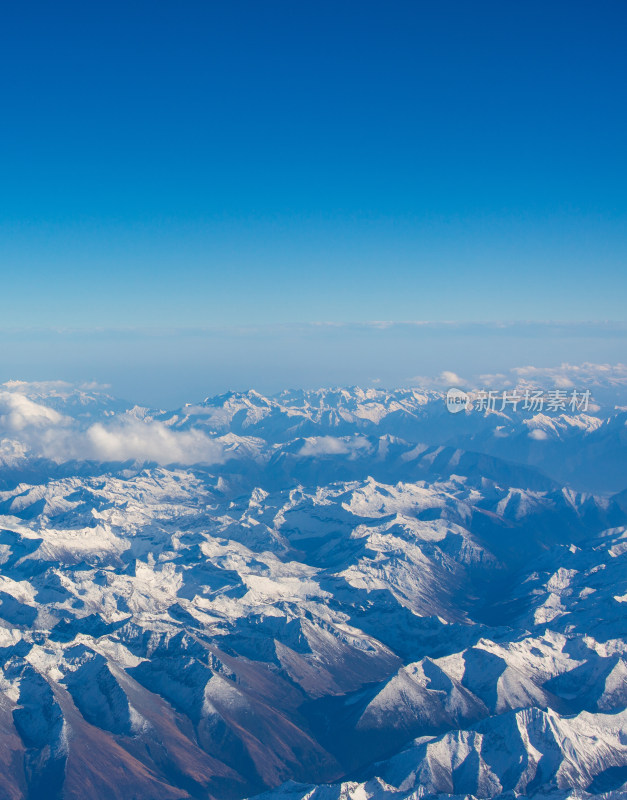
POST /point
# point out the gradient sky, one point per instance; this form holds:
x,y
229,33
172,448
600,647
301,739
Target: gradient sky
x,y
200,164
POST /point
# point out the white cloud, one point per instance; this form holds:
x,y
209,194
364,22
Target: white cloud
x,y
563,382
18,412
331,446
494,379
150,441
568,375
450,377
445,380
27,427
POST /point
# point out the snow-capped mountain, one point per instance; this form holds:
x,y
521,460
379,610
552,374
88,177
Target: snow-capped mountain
x,y
330,594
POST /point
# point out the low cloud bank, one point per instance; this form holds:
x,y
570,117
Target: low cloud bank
x,y
151,441
568,375
28,428
332,446
564,376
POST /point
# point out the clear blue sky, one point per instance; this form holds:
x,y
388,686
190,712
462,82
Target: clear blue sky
x,y
228,162
197,164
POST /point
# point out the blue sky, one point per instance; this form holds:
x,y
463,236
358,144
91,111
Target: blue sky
x,y
197,164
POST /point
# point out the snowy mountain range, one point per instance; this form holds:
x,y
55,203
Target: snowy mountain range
x,y
329,594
